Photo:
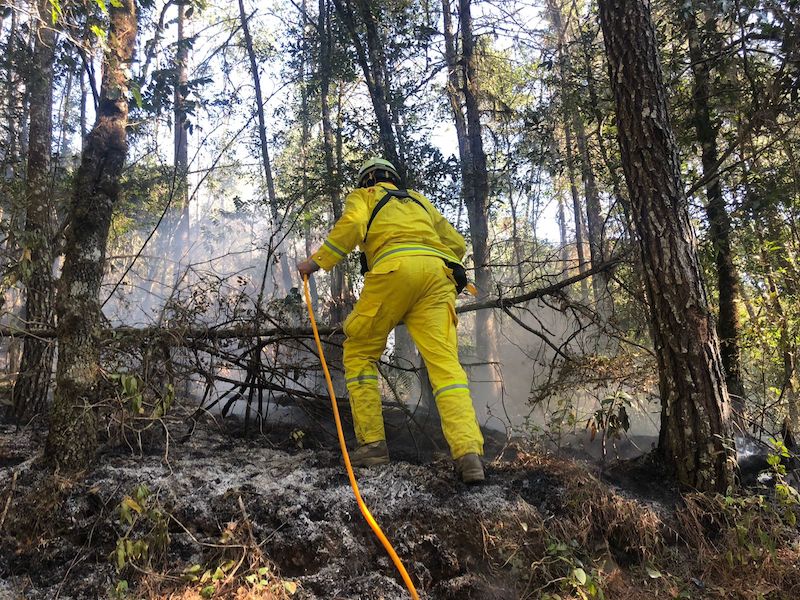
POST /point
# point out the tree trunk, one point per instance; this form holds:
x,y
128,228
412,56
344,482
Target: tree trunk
x,y
328,146
577,209
462,93
695,438
718,218
370,60
10,158
561,217
594,102
72,439
277,233
594,219
31,387
84,98
180,233
569,117
375,70
305,142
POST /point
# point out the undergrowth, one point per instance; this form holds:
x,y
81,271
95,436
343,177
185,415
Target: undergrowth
x,y
232,567
603,545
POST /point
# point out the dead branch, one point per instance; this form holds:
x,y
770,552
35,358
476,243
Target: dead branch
x,y
181,335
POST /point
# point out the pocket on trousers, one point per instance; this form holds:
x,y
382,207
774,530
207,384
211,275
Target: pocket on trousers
x,y
361,320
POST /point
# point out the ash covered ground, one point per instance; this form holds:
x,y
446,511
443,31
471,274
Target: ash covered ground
x,y
274,520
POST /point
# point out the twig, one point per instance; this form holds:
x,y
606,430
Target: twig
x,y
8,500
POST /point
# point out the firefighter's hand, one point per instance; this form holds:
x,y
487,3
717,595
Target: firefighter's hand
x,y
307,267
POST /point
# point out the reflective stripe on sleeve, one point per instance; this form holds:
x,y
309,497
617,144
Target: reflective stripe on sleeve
x,y
454,386
338,251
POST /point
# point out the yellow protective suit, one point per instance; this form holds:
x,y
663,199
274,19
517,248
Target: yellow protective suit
x,y
408,281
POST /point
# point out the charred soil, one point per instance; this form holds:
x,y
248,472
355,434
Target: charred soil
x,y
262,517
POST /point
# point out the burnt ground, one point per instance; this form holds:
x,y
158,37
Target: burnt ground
x,y
267,516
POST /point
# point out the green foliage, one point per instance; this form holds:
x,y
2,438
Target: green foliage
x,y
133,397
787,496
144,536
576,580
612,416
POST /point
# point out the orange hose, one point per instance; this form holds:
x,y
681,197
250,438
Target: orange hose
x,y
364,510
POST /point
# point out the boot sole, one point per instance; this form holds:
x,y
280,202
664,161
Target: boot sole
x,y
370,462
471,478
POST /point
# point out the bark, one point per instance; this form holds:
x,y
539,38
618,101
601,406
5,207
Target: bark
x,y
475,185
11,94
272,197
32,385
515,237
695,438
72,438
718,218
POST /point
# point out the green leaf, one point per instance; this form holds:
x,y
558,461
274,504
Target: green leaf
x,y
208,591
142,493
228,565
653,573
98,31
579,575
137,95
130,384
120,554
102,5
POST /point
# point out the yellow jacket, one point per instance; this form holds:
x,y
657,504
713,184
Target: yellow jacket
x,y
401,228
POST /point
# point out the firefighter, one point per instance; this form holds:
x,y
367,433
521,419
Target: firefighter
x,y
409,252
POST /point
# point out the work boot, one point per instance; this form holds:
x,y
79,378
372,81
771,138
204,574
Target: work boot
x,y
470,468
369,455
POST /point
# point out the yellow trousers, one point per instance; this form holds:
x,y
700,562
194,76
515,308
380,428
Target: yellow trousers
x,y
419,291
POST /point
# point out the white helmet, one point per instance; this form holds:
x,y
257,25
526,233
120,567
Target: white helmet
x,y
377,164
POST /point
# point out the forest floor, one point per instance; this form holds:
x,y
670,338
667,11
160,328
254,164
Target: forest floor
x,y
227,516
